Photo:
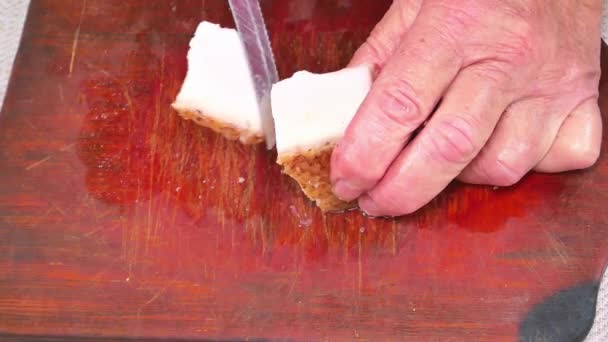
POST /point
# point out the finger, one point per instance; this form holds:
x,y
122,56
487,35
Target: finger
x,y
578,141
451,139
401,98
522,137
387,34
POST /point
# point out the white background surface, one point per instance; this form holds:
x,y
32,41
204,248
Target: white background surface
x,y
12,16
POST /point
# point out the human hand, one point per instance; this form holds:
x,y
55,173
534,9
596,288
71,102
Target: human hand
x,y
516,84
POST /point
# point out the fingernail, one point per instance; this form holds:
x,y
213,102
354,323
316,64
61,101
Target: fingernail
x,y
346,191
368,206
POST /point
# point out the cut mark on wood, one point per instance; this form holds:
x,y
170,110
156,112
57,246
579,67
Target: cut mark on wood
x,y
58,209
38,163
360,264
99,229
76,37
154,297
559,248
67,147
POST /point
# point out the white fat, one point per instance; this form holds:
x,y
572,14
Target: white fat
x,y
219,83
310,110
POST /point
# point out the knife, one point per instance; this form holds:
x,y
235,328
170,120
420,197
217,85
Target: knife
x,y
252,29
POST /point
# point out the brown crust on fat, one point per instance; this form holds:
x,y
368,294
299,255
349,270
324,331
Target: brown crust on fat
x,y
228,130
311,170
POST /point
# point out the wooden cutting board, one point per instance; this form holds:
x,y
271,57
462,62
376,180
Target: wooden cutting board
x,y
120,220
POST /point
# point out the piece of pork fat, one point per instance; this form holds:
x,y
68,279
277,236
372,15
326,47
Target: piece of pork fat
x,y
311,113
218,91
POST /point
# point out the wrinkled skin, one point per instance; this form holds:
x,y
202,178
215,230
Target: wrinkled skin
x,y
498,88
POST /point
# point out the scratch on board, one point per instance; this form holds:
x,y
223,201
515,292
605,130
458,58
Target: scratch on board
x,y
94,206
61,97
558,247
38,163
360,264
294,281
152,219
97,277
296,273
29,124
534,271
67,147
99,229
154,297
104,213
76,37
394,235
58,209
47,158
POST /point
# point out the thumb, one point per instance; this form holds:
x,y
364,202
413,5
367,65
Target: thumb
x,y
386,36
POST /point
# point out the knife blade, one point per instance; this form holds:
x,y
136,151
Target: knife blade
x,y
252,29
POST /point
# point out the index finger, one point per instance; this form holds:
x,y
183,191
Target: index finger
x,y
401,98
386,36
451,139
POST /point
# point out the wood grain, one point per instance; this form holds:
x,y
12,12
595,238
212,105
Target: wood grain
x,y
119,219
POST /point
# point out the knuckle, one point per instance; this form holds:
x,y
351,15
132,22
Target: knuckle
x,y
523,10
473,174
451,17
497,74
342,162
505,171
445,29
376,48
399,105
577,76
348,163
518,52
519,35
452,141
518,47
579,79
